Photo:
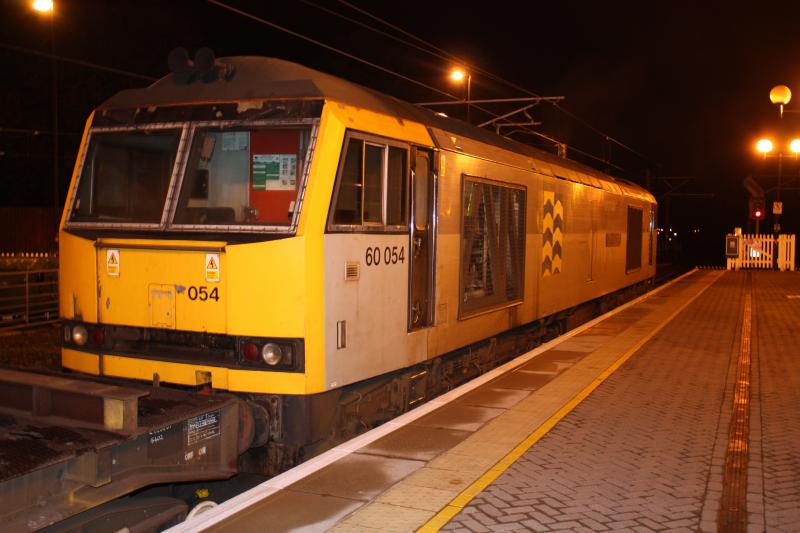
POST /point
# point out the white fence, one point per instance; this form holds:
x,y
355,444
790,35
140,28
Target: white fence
x,y
758,251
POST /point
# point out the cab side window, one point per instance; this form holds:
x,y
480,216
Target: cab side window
x,y
371,190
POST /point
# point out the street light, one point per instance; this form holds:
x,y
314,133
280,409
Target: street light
x,y
780,95
764,146
43,6
458,74
46,7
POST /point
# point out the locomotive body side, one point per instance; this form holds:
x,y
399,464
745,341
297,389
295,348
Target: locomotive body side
x,y
368,329
338,297
297,286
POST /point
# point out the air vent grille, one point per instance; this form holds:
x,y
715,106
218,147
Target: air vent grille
x,y
351,271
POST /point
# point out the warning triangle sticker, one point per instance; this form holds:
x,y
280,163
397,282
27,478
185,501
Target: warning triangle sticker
x,y
212,265
112,259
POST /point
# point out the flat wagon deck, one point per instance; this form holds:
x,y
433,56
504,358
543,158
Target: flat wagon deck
x,y
72,444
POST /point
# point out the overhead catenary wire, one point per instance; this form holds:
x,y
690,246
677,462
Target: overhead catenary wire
x,y
369,63
443,54
437,52
336,50
571,148
78,62
434,50
36,133
326,46
375,30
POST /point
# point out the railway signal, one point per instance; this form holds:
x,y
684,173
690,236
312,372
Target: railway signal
x,y
757,208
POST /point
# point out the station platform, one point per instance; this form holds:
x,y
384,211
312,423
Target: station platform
x,y
677,411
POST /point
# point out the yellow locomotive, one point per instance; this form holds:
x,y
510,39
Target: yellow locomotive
x,y
331,254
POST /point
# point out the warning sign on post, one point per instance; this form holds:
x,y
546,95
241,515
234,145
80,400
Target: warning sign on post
x,y
112,262
212,268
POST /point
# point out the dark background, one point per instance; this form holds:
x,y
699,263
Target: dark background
x,y
683,84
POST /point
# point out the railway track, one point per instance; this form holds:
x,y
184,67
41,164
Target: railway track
x,y
170,495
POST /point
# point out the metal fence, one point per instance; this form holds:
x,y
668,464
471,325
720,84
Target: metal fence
x,y
28,298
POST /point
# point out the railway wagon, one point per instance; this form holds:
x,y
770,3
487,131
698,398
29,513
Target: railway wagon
x,y
331,254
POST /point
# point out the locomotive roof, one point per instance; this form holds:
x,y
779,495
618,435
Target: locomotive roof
x,y
270,78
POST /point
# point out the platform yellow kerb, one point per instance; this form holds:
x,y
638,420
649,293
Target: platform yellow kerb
x,y
468,494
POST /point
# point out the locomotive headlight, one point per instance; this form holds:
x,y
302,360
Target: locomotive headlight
x,y
271,353
80,335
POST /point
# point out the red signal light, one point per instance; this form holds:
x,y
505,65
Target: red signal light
x,y
756,208
98,336
250,351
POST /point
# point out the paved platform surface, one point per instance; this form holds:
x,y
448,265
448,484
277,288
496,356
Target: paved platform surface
x,y
646,451
623,426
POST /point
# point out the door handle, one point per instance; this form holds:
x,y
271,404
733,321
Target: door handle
x,y
415,313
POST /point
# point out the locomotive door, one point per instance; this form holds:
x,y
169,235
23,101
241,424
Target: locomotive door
x,y
422,236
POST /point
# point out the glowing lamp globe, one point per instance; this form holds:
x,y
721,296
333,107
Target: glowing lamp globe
x,y
764,146
780,94
43,6
794,146
458,74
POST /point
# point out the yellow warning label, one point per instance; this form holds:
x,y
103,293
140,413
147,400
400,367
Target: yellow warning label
x,y
212,268
112,262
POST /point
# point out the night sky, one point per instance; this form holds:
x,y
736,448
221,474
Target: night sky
x,y
685,84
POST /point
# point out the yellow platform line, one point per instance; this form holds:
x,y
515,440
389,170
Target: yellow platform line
x,y
458,503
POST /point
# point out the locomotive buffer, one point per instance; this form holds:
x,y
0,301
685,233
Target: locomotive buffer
x,y
69,444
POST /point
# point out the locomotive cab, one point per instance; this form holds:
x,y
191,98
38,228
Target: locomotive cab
x,y
196,239
169,211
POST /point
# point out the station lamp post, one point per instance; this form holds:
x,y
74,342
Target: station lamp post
x,y
766,147
780,95
459,75
47,8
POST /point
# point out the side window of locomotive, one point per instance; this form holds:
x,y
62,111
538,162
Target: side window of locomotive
x,y
421,191
348,205
396,187
651,229
492,245
372,184
633,251
125,177
242,177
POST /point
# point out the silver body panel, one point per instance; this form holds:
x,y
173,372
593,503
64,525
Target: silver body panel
x,y
592,263
374,307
